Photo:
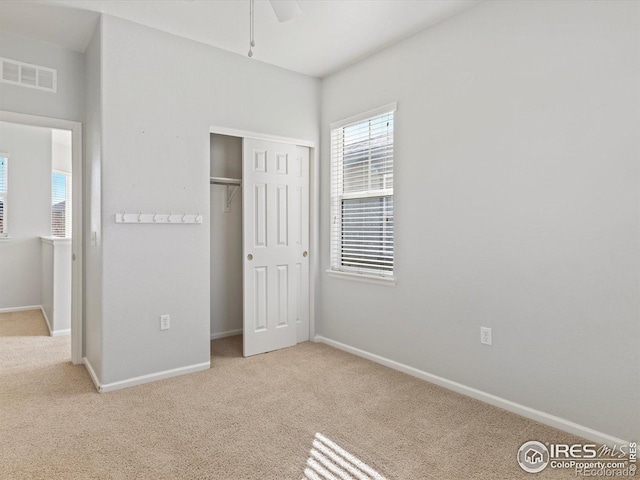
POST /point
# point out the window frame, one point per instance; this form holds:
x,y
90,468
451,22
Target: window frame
x,y
4,197
337,169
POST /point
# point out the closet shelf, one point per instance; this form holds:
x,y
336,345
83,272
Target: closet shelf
x,y
224,181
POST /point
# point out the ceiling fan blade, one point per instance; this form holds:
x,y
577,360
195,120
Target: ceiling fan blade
x,y
285,9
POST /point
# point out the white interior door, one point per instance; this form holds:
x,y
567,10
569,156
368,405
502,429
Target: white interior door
x,y
275,244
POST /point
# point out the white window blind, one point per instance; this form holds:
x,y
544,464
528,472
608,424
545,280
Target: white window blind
x,y
4,165
362,195
60,205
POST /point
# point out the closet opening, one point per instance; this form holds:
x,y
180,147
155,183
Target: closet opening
x,y
260,241
226,236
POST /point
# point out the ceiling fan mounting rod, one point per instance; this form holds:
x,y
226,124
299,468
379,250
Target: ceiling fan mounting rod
x,y
284,10
252,43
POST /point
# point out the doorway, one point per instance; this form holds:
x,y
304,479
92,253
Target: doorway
x,y
42,211
260,240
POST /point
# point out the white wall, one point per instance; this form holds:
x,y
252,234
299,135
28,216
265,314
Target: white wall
x,y
516,175
61,155
62,265
56,284
47,279
28,213
92,221
226,237
67,103
160,95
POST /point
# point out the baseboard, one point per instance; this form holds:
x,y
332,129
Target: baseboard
x,y
135,381
20,309
54,333
46,319
92,373
61,333
230,333
542,417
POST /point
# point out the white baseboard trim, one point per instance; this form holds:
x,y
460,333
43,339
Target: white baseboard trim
x,y
46,319
542,417
20,309
92,373
230,333
152,377
61,333
54,333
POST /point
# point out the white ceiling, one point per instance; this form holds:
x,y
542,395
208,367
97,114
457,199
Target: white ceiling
x,y
328,35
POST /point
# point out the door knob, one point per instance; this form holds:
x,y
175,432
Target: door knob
x,y
249,257
305,253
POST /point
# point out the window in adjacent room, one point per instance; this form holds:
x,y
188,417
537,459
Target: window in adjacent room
x,y
60,204
362,235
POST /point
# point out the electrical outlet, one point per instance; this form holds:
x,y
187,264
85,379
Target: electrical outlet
x,y
485,335
165,322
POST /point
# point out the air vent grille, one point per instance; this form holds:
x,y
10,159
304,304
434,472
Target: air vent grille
x,y
10,72
47,79
28,75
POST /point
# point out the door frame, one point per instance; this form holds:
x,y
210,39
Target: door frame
x,y
77,320
314,204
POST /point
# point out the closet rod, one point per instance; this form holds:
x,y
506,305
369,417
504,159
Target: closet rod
x,y
224,181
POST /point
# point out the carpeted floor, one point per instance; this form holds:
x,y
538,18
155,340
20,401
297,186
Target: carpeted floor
x,y
253,418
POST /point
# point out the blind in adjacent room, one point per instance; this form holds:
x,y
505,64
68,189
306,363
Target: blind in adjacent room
x,y
362,233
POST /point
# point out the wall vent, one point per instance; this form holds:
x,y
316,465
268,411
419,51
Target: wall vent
x,y
28,75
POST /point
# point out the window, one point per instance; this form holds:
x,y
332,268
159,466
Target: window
x,y
362,194
60,204
4,165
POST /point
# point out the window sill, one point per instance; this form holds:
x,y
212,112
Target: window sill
x,y
361,277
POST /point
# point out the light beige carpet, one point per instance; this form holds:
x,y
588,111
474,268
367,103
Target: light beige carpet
x,y
252,418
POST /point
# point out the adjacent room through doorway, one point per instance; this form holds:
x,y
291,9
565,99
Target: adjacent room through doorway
x,y
35,233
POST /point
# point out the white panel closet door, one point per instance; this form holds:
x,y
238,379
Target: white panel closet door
x,y
275,244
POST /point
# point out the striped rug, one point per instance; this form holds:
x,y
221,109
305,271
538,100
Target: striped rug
x,y
328,461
